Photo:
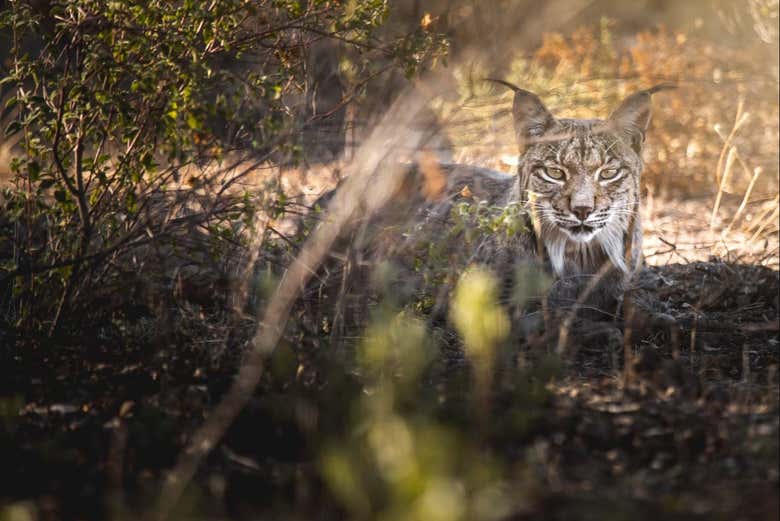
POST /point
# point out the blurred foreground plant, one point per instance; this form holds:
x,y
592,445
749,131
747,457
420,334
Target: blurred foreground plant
x,y
399,462
482,323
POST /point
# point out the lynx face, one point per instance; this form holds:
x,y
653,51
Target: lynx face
x,y
580,179
584,184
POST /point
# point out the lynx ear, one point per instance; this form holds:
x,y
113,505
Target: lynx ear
x,y
632,117
532,119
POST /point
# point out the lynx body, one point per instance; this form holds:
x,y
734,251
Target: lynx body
x,y
578,188
579,181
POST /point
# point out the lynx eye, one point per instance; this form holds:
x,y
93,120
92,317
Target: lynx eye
x,y
609,174
555,174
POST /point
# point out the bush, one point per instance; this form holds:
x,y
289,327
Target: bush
x,y
128,113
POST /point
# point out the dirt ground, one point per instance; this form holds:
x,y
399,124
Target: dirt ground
x,y
691,435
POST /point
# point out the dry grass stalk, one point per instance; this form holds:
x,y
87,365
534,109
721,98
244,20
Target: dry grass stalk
x,y
759,219
563,332
746,198
723,180
764,224
628,312
695,325
740,119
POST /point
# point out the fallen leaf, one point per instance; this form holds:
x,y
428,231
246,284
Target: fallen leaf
x,y
126,408
63,408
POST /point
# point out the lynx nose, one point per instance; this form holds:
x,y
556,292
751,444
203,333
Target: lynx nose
x,y
582,212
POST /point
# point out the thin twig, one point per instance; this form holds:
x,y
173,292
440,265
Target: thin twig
x,y
563,335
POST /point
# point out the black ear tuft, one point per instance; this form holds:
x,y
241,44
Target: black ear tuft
x,y
532,119
632,117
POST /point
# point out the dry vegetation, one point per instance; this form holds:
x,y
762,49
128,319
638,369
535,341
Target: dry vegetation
x,y
712,142
210,373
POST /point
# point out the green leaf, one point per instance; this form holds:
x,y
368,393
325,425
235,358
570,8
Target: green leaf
x,y
34,170
13,128
193,122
